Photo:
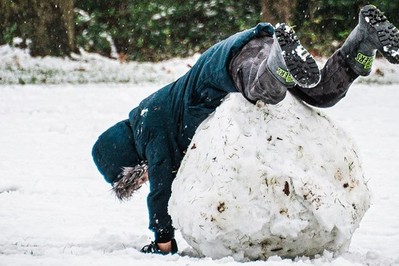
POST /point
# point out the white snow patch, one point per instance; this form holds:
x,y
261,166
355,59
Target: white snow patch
x,y
276,180
55,208
144,112
18,67
302,52
395,53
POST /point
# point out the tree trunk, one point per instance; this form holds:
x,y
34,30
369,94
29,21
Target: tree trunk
x,y
278,11
53,28
67,9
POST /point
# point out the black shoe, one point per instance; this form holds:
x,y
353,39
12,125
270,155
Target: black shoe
x,y
300,63
152,248
373,33
381,33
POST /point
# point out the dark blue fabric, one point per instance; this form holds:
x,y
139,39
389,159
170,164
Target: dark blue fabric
x,y
164,123
114,149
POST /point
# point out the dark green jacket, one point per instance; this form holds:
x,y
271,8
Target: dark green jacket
x,y
164,123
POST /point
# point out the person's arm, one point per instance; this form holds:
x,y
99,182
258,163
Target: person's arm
x,y
161,175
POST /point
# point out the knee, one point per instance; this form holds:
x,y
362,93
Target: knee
x,y
277,96
271,93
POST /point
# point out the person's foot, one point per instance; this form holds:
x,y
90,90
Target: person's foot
x,y
381,33
300,63
161,248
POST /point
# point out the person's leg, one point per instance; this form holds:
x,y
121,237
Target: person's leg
x,y
373,33
267,66
336,78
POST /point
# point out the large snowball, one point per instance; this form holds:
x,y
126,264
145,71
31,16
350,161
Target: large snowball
x,y
268,180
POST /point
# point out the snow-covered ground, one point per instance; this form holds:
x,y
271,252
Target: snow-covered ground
x,y
55,209
18,67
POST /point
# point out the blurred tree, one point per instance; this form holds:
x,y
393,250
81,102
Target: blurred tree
x,y
323,25
161,29
53,33
278,11
48,24
14,21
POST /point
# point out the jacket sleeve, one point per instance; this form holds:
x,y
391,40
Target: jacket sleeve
x,y
161,171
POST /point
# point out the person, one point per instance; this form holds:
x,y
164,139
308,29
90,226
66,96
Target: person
x,y
261,63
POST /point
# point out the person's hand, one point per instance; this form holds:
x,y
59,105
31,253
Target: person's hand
x,y
165,247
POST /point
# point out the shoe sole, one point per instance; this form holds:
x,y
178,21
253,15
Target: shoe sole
x,y
300,63
387,33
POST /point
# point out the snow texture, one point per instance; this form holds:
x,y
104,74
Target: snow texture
x,y
259,181
18,67
56,209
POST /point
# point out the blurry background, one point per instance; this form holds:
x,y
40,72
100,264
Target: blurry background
x,y
162,29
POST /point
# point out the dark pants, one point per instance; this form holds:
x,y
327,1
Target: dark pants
x,y
336,79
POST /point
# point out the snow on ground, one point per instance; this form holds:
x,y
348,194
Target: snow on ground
x,y
55,209
84,68
18,67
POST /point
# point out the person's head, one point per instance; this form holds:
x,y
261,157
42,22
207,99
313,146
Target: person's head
x,y
114,150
